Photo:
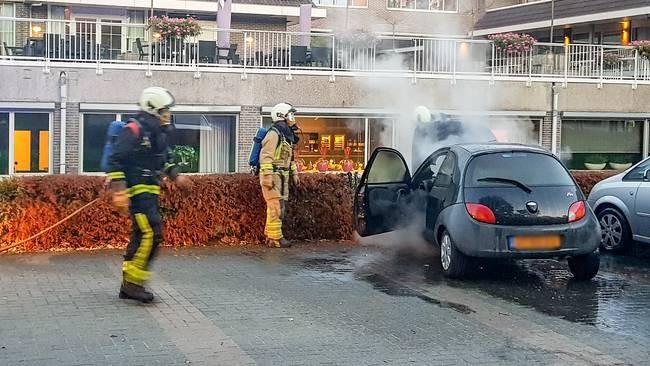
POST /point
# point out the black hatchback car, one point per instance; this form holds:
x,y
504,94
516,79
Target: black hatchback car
x,y
482,201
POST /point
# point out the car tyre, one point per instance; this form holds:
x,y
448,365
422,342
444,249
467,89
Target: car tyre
x,y
616,233
453,262
585,267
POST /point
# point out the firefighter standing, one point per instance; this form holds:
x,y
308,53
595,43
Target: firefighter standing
x,y
277,167
139,159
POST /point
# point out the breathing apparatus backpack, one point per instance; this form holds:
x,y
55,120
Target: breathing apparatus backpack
x,y
254,157
111,136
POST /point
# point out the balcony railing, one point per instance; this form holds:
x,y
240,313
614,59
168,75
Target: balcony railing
x,y
126,46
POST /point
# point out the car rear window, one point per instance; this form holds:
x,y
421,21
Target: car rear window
x,y
530,169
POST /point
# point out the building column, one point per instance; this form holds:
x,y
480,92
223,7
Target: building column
x,y
250,120
547,132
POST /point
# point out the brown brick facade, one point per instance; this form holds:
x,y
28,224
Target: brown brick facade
x,y
250,120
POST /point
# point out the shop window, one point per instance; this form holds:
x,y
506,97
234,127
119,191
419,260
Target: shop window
x,y
95,127
204,143
31,143
601,144
4,143
380,133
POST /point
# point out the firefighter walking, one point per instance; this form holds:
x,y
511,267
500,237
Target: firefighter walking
x,y
277,168
139,160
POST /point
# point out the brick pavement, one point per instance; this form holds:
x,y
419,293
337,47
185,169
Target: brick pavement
x,y
303,306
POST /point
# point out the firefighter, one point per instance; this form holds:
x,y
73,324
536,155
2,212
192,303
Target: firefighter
x,y
139,161
277,167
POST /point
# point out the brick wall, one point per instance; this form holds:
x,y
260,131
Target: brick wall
x,y
547,131
238,38
249,121
72,152
22,27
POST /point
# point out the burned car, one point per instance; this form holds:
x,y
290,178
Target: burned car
x,y
487,200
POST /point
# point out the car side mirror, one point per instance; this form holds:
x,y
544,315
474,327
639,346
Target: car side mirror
x,y
646,174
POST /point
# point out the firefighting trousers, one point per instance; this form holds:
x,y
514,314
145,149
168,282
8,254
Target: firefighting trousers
x,y
146,236
275,209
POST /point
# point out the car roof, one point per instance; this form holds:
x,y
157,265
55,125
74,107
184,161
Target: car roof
x,y
481,148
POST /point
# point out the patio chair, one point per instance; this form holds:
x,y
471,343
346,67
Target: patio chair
x,y
231,53
141,47
321,57
299,55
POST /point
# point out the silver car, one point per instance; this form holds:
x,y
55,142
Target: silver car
x,y
622,205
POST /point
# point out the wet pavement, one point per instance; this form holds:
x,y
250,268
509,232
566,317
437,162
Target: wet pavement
x,y
323,304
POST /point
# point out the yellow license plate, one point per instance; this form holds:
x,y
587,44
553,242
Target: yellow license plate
x,y
549,242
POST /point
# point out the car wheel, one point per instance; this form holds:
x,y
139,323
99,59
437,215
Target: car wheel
x,y
585,267
615,230
454,263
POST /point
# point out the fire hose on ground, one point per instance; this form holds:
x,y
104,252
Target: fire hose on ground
x,y
42,232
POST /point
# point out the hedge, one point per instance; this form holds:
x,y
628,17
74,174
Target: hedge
x,y
217,208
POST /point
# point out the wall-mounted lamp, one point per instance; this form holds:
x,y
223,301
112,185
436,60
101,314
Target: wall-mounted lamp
x,y
625,32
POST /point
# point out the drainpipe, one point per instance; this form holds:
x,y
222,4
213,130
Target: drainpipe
x,y
63,83
554,113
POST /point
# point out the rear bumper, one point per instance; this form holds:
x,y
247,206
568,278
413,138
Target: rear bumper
x,y
493,241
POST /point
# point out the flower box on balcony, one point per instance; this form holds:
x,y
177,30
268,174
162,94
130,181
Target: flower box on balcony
x,y
179,28
513,43
643,47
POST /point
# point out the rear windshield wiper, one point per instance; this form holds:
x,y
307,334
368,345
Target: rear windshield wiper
x,y
523,187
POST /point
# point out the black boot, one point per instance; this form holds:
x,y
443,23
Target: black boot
x,y
135,292
282,243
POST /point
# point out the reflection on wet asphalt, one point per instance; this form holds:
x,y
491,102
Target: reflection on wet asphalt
x,y
617,300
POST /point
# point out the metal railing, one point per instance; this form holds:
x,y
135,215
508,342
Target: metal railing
x,y
120,45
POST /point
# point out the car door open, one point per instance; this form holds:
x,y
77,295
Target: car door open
x,y
380,198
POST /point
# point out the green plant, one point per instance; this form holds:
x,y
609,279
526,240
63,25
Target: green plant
x,y
186,157
643,47
611,59
621,158
596,159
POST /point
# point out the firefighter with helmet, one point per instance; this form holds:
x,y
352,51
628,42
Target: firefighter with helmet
x,y
277,167
139,160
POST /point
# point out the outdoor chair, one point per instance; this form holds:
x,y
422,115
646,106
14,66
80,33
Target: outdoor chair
x,y
207,51
141,47
299,55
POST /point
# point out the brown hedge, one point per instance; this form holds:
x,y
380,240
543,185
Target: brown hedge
x,y
588,179
217,208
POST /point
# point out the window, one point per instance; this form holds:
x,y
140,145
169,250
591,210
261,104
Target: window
x,y
380,133
4,143
31,143
387,167
443,177
111,39
7,27
429,169
134,32
426,5
638,173
200,144
329,143
204,143
343,3
601,144
516,166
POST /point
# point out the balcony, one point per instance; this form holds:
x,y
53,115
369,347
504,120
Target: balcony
x,y
102,46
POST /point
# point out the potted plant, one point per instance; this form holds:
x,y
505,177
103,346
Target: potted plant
x,y
513,43
643,47
595,162
179,28
186,157
621,162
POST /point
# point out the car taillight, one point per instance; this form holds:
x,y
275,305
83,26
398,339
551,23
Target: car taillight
x,y
481,213
577,211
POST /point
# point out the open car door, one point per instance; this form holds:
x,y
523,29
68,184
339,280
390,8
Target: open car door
x,y
382,192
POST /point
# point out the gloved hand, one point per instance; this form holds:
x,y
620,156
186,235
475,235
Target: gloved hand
x,y
121,201
267,180
183,182
296,179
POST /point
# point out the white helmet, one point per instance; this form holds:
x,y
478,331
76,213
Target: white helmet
x,y
283,112
422,114
154,99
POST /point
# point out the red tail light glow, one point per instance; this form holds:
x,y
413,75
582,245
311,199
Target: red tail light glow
x,y
481,213
577,211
